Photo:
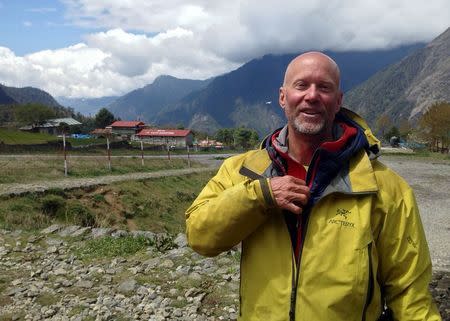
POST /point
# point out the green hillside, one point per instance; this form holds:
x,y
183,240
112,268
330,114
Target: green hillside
x,y
13,137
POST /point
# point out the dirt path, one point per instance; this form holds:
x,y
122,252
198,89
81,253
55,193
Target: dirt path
x,y
70,183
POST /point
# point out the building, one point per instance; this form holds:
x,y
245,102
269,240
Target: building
x,y
101,132
210,143
125,129
51,126
175,138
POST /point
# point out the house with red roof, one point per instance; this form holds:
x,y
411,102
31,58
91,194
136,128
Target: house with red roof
x,y
177,138
126,128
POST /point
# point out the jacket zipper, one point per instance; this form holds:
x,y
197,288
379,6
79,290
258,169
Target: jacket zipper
x,y
295,280
370,284
305,219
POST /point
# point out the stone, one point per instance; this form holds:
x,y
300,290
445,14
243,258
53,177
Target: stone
x,y
101,231
127,286
167,264
81,232
181,240
51,229
85,284
68,230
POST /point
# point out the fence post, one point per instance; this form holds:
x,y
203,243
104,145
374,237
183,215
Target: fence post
x,y
65,154
109,153
142,152
189,157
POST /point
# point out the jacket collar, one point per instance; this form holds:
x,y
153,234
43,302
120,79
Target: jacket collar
x,y
354,176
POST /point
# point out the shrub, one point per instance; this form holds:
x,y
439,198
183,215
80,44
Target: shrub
x,y
79,214
52,205
113,247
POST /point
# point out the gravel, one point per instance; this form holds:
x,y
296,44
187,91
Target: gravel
x,y
430,180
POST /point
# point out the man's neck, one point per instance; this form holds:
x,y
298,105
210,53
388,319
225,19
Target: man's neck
x,y
302,147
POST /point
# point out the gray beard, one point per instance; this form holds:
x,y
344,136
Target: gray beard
x,y
309,128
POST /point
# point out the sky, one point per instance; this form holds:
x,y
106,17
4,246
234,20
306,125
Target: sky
x,y
96,48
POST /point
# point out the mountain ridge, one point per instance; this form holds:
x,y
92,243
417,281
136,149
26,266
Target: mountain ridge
x,y
407,88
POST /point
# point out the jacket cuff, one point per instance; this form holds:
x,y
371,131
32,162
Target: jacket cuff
x,y
265,188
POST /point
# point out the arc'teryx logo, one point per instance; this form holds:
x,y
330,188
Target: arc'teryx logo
x,y
342,215
343,212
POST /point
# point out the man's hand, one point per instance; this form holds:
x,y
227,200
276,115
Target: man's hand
x,y
290,193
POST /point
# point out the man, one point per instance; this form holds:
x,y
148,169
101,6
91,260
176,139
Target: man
x,y
327,231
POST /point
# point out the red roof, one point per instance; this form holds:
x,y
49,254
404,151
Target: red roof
x,y
164,132
122,123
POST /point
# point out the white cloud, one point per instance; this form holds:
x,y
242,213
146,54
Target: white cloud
x,y
111,63
42,10
141,39
27,24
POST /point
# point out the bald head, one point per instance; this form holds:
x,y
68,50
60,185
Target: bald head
x,y
309,58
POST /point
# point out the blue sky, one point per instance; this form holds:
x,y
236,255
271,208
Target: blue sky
x,y
95,48
36,25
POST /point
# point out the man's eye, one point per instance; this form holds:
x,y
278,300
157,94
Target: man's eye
x,y
325,88
301,86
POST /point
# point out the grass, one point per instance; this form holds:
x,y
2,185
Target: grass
x,y
109,247
419,154
46,299
156,205
16,137
31,169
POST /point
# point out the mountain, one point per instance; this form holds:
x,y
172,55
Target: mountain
x,y
86,106
248,96
405,89
146,102
26,95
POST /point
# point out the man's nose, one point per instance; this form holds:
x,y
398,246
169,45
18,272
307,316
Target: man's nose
x,y
311,93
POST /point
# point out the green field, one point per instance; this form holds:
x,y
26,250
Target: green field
x,y
156,205
14,137
28,169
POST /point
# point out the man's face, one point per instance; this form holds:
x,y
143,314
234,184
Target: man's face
x,y
310,95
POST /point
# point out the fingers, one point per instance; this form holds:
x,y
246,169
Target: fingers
x,y
290,193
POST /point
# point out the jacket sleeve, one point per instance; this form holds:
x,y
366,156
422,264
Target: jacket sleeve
x,y
228,209
405,264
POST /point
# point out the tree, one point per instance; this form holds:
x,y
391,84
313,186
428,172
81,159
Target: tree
x,y
434,125
245,137
225,135
64,128
383,124
33,113
393,132
104,118
404,128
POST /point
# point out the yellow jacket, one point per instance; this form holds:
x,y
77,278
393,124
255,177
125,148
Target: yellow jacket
x,y
363,235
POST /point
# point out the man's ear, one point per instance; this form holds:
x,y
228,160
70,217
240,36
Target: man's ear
x,y
282,97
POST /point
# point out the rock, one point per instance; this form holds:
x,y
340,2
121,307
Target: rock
x,y
167,264
81,232
181,240
100,232
51,229
69,230
147,234
127,286
85,284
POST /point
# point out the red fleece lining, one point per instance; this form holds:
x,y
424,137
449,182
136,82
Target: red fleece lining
x,y
297,170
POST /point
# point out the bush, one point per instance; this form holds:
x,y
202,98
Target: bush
x,y
79,214
52,205
113,247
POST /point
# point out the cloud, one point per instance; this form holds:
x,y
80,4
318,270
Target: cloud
x,y
240,30
42,10
111,63
27,24
138,40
